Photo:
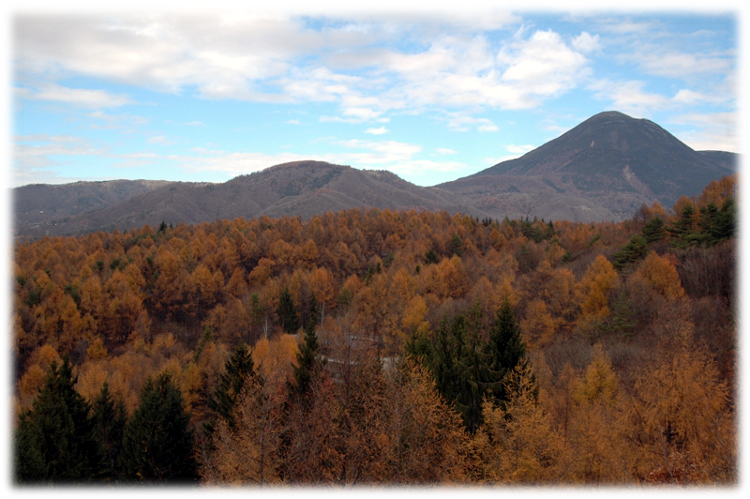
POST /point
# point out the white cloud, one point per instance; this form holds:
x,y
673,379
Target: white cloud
x,y
586,43
711,132
274,58
379,152
195,123
674,64
443,150
37,158
35,152
629,97
518,149
161,140
542,66
292,122
463,123
377,131
78,96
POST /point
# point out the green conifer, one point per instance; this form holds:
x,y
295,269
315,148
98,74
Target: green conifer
x,y
682,231
287,313
158,441
54,442
654,231
633,251
109,419
308,364
236,372
507,349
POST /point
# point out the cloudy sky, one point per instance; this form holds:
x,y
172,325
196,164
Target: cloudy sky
x,y
431,95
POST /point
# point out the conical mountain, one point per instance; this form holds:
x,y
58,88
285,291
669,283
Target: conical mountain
x,y
612,151
605,168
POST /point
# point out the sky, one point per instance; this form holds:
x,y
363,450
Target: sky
x,y
429,94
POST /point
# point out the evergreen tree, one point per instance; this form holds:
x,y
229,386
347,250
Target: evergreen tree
x,y
507,349
456,245
287,312
237,369
682,231
633,251
313,312
109,419
431,257
476,371
158,441
727,220
708,224
622,321
654,230
307,365
54,442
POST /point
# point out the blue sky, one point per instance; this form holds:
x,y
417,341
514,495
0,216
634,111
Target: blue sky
x,y
431,95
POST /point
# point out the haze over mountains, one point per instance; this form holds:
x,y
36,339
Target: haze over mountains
x,y
603,169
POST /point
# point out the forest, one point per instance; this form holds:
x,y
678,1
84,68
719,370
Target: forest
x,y
372,347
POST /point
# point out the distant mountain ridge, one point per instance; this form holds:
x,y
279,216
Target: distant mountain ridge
x,y
603,169
298,188
609,163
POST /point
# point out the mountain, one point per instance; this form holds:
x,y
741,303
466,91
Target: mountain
x,y
604,168
40,204
301,188
730,160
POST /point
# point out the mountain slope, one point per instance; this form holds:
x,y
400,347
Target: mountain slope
x,y
726,160
301,188
609,163
42,203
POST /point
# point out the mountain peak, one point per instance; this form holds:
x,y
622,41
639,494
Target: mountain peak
x,y
612,152
610,115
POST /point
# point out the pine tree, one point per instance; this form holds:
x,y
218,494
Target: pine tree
x,y
237,369
54,442
654,230
287,313
683,231
507,349
456,245
726,220
431,257
476,371
633,251
109,419
708,221
158,441
313,312
307,364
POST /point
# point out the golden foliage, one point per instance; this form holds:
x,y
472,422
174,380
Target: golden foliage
x,y
593,290
661,275
538,326
521,445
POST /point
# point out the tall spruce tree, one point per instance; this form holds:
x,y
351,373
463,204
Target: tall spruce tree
x,y
507,349
726,221
476,370
633,251
157,445
287,312
237,369
307,365
682,231
54,442
654,231
109,418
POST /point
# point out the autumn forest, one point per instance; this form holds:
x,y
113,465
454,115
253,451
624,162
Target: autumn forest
x,y
370,347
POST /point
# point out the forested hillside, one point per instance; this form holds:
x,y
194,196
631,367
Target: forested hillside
x,y
382,347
